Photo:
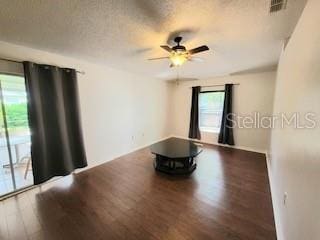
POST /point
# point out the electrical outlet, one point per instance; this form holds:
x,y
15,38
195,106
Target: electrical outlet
x,y
285,198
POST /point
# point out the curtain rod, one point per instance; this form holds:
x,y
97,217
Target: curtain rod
x,y
218,85
10,60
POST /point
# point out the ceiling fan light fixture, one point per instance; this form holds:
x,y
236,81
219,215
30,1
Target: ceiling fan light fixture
x,y
178,58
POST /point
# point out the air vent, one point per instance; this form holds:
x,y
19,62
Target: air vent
x,y
277,5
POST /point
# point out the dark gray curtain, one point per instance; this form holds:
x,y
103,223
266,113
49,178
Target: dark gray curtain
x,y
54,117
194,131
226,129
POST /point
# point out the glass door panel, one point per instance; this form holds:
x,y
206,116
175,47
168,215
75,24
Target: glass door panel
x,y
6,178
16,133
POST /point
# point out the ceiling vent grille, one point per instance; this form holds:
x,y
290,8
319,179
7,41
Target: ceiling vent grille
x,y
277,5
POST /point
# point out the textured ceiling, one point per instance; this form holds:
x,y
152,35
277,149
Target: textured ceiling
x,y
241,34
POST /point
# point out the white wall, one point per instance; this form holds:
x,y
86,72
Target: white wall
x,y
120,111
294,166
254,94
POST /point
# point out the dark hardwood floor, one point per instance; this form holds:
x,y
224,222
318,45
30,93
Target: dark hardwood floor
x,y
226,197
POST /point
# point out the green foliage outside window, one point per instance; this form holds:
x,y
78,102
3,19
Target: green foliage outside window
x,y
17,116
211,100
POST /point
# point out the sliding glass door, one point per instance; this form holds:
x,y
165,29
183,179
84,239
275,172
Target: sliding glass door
x,y
15,158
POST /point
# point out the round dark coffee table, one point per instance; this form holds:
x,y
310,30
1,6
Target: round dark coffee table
x,y
175,156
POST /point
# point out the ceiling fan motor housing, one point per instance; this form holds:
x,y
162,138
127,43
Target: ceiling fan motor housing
x,y
179,48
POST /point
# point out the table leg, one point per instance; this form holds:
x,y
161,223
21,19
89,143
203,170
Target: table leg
x,y
16,149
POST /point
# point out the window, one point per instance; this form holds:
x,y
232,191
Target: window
x,y
210,110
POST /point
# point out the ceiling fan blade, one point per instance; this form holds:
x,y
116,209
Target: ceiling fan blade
x,y
199,49
171,65
166,47
158,58
196,59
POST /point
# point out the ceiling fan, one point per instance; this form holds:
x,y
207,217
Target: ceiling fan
x,y
179,54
